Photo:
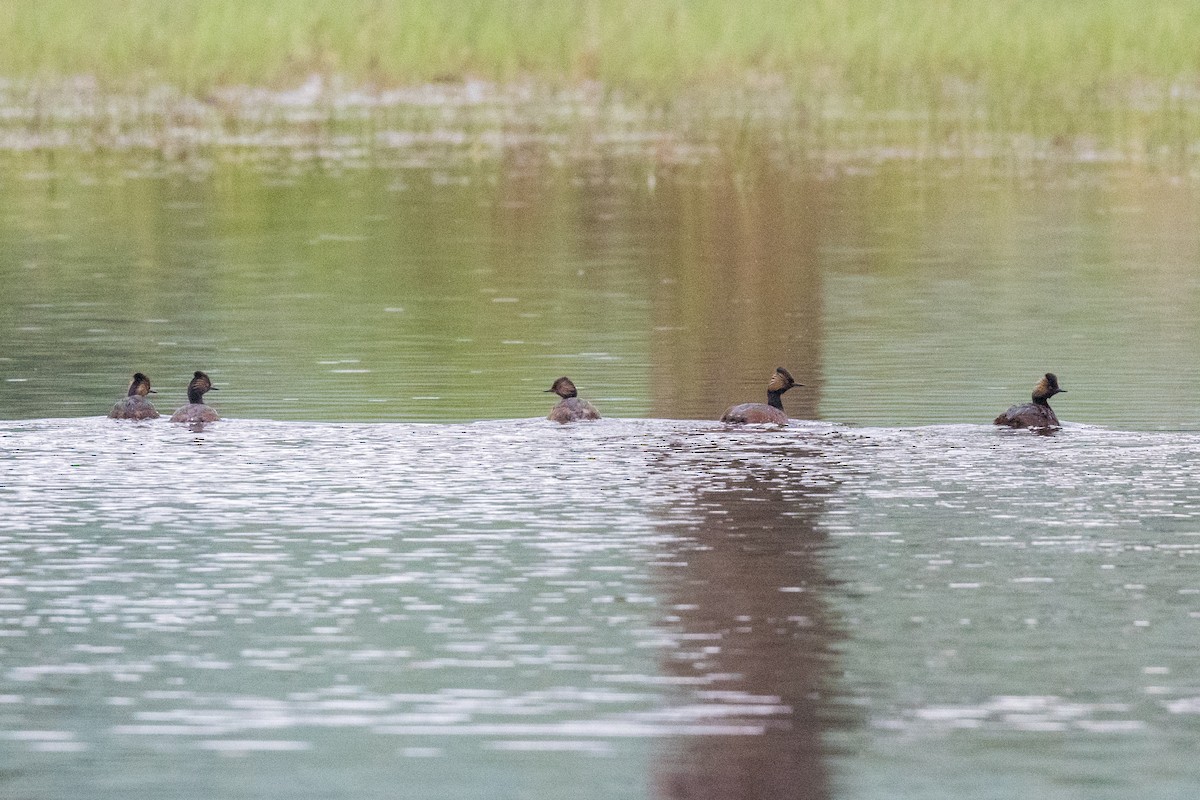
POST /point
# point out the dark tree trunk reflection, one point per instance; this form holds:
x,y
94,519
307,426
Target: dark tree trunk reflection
x,y
756,637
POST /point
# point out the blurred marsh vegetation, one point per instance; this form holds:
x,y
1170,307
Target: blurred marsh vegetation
x,y
1110,79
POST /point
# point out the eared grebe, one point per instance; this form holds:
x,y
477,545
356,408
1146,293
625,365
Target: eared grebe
x,y
1037,414
135,405
195,410
570,408
769,412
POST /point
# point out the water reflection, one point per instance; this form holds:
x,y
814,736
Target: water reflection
x,y
898,294
755,632
739,292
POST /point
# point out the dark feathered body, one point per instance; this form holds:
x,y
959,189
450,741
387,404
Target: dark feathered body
x,y
135,405
133,408
570,408
754,414
1037,414
768,413
196,410
1028,415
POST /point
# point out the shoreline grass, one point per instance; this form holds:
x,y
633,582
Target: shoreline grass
x,y
1083,77
889,52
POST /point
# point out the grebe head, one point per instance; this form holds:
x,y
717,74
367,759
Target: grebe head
x,y
781,381
563,388
198,386
140,386
1046,388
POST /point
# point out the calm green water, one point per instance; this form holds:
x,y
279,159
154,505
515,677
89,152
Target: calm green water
x,y
900,294
384,575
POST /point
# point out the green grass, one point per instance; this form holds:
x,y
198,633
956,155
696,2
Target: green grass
x,y
888,49
855,75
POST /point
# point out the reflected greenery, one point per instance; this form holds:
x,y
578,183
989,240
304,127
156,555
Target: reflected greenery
x,y
899,292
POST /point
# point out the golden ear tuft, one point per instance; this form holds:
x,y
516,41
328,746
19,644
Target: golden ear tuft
x,y
781,381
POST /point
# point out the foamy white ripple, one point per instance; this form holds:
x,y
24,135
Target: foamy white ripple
x,y
645,592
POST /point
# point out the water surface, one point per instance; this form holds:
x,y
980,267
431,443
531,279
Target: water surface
x,y
385,575
627,608
898,293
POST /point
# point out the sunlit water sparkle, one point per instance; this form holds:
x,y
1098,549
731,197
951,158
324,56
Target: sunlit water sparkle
x,y
477,605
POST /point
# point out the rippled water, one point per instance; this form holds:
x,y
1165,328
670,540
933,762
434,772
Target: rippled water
x,y
631,608
348,589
